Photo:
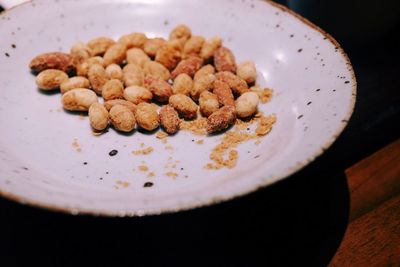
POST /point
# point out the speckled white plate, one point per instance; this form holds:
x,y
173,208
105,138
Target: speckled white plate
x,y
314,98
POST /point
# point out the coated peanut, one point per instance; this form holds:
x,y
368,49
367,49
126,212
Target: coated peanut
x,y
98,77
122,118
98,117
246,104
184,105
54,60
114,71
189,66
152,45
169,54
207,69
133,40
79,99
111,103
193,46
115,54
137,56
237,84
100,45
204,83
169,119
156,70
113,89
133,75
80,52
73,83
147,116
160,89
223,93
209,47
247,71
183,84
208,103
83,68
137,94
221,119
182,33
51,79
224,60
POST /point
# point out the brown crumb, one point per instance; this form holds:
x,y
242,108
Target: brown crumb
x,y
76,145
144,151
143,168
169,147
171,174
265,125
266,95
197,126
123,184
200,142
161,135
151,174
81,117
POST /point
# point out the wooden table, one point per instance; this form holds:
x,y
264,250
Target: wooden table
x,y
345,205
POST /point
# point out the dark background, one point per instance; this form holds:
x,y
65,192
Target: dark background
x,y
299,221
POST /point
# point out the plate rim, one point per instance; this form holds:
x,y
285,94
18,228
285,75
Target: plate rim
x,y
212,201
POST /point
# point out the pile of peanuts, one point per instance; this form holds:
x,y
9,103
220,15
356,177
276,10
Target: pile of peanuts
x,y
183,74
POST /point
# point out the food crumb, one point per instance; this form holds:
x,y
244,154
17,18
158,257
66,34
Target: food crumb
x,y
123,184
151,174
169,147
143,168
200,142
171,174
145,151
76,145
265,125
161,135
197,126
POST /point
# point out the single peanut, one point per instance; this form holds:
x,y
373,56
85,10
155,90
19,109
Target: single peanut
x,y
204,83
54,60
133,40
169,54
100,45
114,71
160,89
113,89
189,66
80,52
246,105
209,47
137,56
147,116
133,75
169,119
79,99
207,69
224,60
223,93
73,83
115,54
122,118
182,33
193,46
247,71
183,84
221,119
83,68
111,103
156,70
98,117
152,45
98,77
237,84
208,103
51,79
184,105
137,94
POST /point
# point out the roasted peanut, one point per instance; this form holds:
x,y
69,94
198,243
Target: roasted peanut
x,y
98,77
137,94
114,71
133,40
79,99
122,118
246,104
189,66
247,71
100,45
204,83
221,119
182,33
193,46
137,56
113,89
183,84
237,84
115,54
207,69
169,54
152,45
80,52
224,60
169,119
208,103
156,70
54,60
51,79
209,47
111,103
73,83
184,105
147,116
223,93
133,75
160,89
98,117
83,68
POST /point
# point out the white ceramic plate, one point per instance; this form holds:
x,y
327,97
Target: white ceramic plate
x,y
314,97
